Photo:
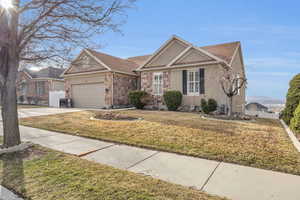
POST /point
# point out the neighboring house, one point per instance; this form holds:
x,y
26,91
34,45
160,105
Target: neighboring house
x,y
33,87
256,107
195,71
98,80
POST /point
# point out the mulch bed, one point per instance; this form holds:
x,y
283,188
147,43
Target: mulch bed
x,y
114,116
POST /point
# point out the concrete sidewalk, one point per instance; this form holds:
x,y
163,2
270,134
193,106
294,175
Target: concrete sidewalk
x,y
233,181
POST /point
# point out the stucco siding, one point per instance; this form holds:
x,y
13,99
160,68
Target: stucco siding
x,y
212,86
84,63
193,56
239,101
167,54
176,80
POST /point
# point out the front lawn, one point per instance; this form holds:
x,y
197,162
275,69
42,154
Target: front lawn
x,y
263,144
41,174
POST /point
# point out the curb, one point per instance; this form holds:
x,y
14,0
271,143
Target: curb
x,y
291,135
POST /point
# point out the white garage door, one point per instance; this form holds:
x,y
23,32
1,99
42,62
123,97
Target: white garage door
x,y
88,95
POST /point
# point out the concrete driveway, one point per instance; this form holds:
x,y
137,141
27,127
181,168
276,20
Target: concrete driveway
x,y
31,112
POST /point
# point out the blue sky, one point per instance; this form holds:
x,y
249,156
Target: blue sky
x,y
268,30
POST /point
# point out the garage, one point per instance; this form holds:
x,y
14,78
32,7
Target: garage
x,y
90,95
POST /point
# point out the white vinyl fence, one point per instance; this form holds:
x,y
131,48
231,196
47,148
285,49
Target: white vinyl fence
x,y
54,97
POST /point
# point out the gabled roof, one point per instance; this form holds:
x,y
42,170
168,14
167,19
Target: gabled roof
x,y
49,72
221,53
114,63
139,59
224,51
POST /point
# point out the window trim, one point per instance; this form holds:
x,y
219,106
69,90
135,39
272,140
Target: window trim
x,y
39,88
154,90
195,93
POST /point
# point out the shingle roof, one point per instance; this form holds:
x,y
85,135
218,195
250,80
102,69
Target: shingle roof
x,y
223,51
49,72
115,63
139,59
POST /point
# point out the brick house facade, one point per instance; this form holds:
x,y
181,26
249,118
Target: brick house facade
x,y
34,88
99,80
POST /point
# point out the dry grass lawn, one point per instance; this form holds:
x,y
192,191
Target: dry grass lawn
x,y
263,144
23,106
41,174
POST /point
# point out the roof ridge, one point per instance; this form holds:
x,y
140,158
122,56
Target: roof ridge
x,y
114,63
226,43
109,55
138,56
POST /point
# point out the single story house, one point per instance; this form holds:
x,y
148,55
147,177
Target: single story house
x,y
99,80
195,71
254,106
33,87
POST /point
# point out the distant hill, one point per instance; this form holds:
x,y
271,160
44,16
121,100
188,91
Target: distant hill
x,y
264,100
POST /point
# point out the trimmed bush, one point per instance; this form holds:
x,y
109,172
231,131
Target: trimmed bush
x,y
295,121
173,99
136,98
204,106
212,105
21,99
208,106
292,99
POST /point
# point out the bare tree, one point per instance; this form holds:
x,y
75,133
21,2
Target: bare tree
x,y
231,84
43,31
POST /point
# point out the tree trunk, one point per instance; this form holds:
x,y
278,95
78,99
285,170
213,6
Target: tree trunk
x,y
9,106
9,69
230,107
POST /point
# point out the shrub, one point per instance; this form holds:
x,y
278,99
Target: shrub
x,y
137,98
212,105
30,99
208,106
21,99
173,99
292,99
204,106
295,121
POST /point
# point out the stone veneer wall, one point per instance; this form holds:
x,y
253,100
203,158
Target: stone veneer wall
x,y
123,84
147,85
108,80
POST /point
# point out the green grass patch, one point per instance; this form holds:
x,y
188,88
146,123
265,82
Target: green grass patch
x,y
39,173
262,144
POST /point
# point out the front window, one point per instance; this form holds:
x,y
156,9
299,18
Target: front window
x,y
193,82
158,83
40,88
